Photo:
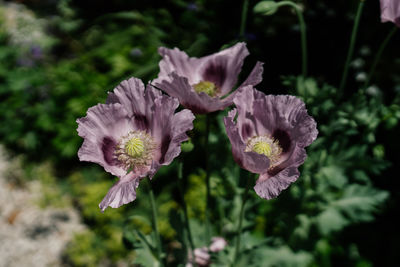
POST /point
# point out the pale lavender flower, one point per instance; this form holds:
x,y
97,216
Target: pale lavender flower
x,y
202,255
132,135
203,84
217,244
390,11
269,138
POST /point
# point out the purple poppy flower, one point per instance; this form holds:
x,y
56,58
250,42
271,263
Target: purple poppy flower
x,y
132,135
269,138
203,84
390,11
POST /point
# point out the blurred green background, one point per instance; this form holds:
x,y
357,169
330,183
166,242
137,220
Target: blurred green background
x,y
60,57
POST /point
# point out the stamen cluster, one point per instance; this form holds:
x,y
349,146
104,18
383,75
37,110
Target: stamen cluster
x,y
207,87
265,145
135,149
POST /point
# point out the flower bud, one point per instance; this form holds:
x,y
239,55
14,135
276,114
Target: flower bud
x,y
266,8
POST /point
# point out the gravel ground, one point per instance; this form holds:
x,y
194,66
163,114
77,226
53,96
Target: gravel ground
x,y
29,235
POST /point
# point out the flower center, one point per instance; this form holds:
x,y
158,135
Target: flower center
x,y
265,145
135,149
262,147
207,87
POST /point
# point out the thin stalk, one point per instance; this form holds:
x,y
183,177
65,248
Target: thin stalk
x,y
187,224
241,216
244,18
379,54
351,48
154,222
303,42
208,197
303,33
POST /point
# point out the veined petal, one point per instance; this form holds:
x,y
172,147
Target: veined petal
x,y
271,187
281,127
287,113
175,60
179,74
255,76
198,103
122,192
169,130
101,130
223,68
137,130
250,161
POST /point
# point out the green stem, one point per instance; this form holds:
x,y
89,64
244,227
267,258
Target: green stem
x,y
187,225
208,197
154,222
379,54
303,33
244,18
351,48
241,216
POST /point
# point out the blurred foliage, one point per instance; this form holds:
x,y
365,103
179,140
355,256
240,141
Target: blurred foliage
x,y
60,57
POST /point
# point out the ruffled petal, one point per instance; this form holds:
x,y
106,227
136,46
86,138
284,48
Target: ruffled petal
x,y
223,68
250,161
247,124
286,113
198,103
255,76
123,192
181,122
169,130
272,182
101,130
138,102
175,60
271,187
